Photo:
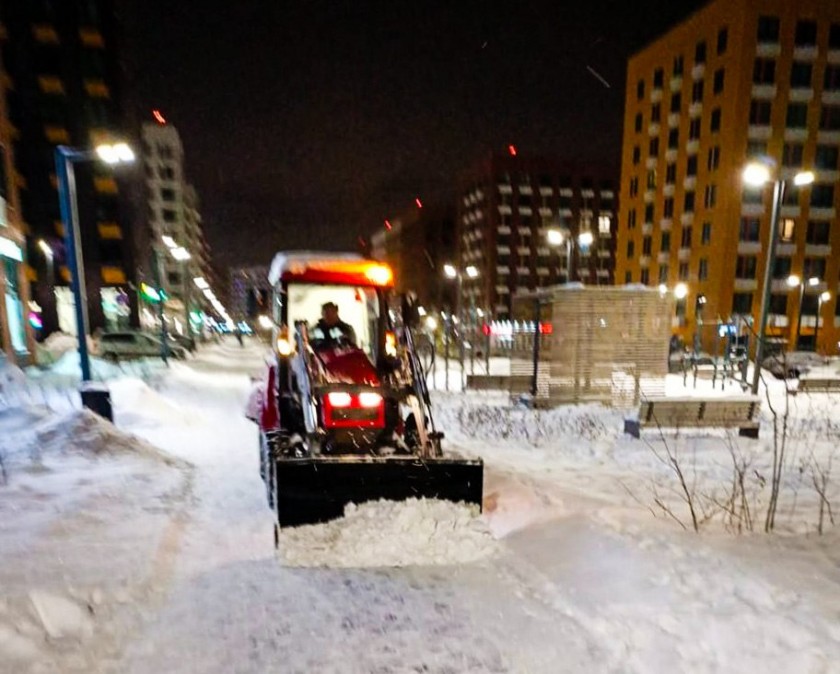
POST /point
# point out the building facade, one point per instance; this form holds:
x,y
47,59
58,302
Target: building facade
x,y
64,75
738,81
417,244
177,251
507,204
16,340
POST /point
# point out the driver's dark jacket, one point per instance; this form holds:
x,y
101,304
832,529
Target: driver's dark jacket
x,y
330,335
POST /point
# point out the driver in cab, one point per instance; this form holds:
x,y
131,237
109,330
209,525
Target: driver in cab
x,y
331,331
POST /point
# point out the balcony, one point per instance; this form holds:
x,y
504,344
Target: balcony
x,y
687,218
603,273
523,231
817,250
697,71
778,320
663,257
802,95
503,230
764,91
649,196
695,109
651,162
768,49
684,254
653,129
749,247
808,53
525,189
745,284
671,155
759,132
690,183
790,211
820,213
692,147
668,189
647,228
829,137
752,210
796,135
504,209
604,253
675,84
656,95
644,261
523,250
673,119
525,210
666,224
544,211
505,188
785,249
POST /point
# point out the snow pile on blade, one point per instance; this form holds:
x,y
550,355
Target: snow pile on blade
x,y
416,532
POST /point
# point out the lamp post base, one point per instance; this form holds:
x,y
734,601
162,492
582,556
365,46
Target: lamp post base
x,y
97,398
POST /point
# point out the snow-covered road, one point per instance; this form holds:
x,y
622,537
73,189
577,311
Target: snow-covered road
x,y
584,580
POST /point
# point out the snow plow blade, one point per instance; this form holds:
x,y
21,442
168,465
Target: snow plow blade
x,y
315,490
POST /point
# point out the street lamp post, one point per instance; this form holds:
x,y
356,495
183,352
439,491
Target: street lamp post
x,y
451,272
794,281
558,237
758,175
49,258
65,159
822,298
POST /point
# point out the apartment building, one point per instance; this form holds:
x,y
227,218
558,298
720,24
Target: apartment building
x,y
509,203
16,339
738,81
63,75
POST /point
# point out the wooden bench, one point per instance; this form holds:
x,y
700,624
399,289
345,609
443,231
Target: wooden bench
x,y
497,382
740,413
818,384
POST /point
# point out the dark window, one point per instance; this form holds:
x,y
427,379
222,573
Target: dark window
x,y
167,194
700,52
818,232
778,304
834,42
750,230
656,113
797,115
768,29
710,196
110,252
678,66
714,158
760,113
685,241
645,277
628,277
830,118
676,102
649,213
742,303
792,154
658,77
668,207
806,34
822,196
697,91
670,174
688,202
638,124
810,304
631,219
637,155
168,215
653,149
746,266
764,71
694,129
756,148
706,233
634,186
826,157
663,273
722,40
691,166
717,86
751,195
781,268
714,123
673,138
646,245
665,242
640,90
651,179
800,75
683,273
831,80
703,269
814,267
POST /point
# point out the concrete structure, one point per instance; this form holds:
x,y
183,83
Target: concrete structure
x,y
16,339
62,60
174,221
417,244
506,205
736,81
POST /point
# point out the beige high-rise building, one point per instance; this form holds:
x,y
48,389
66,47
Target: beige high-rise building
x,y
739,80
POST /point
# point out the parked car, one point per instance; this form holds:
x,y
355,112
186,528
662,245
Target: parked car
x,y
792,364
125,345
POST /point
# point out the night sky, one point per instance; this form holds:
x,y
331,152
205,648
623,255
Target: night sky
x,y
306,123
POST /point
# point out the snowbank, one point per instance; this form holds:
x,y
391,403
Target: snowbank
x,y
56,345
417,532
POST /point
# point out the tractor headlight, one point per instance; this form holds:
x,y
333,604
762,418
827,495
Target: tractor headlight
x,y
390,345
284,345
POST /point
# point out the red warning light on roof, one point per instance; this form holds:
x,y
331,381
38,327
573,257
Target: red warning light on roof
x,y
159,118
512,150
418,202
388,225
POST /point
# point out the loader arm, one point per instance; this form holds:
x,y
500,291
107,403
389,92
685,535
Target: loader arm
x,y
421,402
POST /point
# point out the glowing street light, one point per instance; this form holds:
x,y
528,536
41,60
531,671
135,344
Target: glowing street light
x,y
554,237
586,238
449,271
472,271
681,291
168,241
201,283
181,254
756,174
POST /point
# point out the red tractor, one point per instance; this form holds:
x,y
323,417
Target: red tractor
x,y
344,412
